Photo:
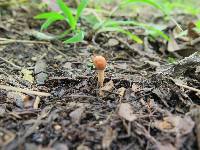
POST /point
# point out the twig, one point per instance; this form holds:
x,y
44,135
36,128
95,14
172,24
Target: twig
x,y
7,41
12,64
188,87
27,91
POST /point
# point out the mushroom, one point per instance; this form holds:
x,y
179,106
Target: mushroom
x,y
100,65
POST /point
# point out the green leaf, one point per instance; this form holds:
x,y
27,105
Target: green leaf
x,y
49,15
133,37
80,8
68,13
154,30
198,24
48,22
118,29
78,37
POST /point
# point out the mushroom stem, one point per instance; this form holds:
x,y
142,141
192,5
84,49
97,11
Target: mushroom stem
x,y
101,77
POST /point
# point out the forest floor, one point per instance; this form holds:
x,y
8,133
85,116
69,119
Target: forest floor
x,y
49,96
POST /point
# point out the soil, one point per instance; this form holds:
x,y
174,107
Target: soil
x,y
144,104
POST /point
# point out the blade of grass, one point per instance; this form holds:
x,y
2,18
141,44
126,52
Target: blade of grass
x,y
49,15
80,8
78,37
120,30
68,13
48,22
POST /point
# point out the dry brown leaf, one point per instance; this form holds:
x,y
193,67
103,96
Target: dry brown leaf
x,y
176,124
107,87
126,112
108,137
76,114
191,32
172,44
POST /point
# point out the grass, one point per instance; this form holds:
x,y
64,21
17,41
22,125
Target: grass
x,y
100,23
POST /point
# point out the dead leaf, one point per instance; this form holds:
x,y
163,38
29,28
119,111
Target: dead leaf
x,y
112,42
172,44
108,137
126,112
76,114
165,146
135,88
6,136
121,91
83,147
107,87
191,32
176,124
20,99
27,75
153,63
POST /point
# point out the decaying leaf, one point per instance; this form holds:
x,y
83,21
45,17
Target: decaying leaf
x,y
107,87
172,44
108,137
27,75
175,124
135,88
76,114
191,32
165,146
20,99
126,112
83,147
121,91
6,136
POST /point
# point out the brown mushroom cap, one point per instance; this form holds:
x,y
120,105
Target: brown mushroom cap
x,y
99,62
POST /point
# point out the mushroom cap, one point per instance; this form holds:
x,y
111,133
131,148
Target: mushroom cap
x,y
99,62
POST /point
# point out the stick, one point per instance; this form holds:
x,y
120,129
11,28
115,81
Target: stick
x,y
188,87
27,91
7,41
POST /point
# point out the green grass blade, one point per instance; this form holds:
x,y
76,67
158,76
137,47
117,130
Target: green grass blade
x,y
120,30
154,30
78,37
149,2
48,22
80,8
68,13
49,15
